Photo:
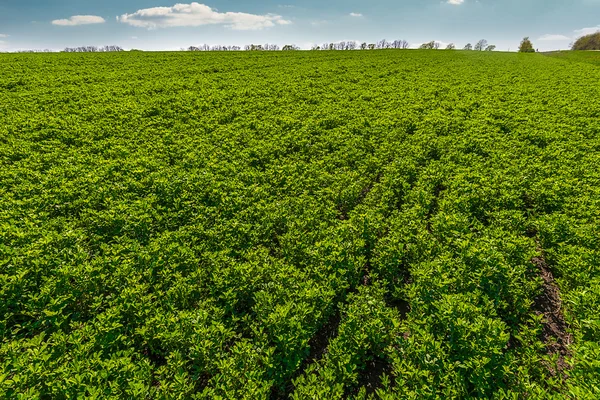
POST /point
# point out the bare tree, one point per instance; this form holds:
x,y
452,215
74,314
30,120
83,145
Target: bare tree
x,y
383,44
315,47
481,45
35,51
436,45
92,49
468,46
451,46
363,46
491,47
371,46
289,47
400,44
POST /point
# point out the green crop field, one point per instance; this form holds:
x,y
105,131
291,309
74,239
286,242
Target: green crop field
x,y
591,57
305,225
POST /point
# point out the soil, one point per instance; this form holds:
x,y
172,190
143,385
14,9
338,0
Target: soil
x,y
554,328
371,376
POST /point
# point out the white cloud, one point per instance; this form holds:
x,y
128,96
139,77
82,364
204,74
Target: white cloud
x,y
196,14
2,35
553,38
134,37
352,14
455,2
79,20
586,31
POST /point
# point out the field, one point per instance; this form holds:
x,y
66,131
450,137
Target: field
x,y
305,225
591,57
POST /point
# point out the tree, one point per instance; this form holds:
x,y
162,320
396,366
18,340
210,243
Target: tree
x,y
587,42
289,47
481,45
383,44
526,46
451,46
436,45
428,46
363,46
399,44
371,46
491,47
315,47
468,46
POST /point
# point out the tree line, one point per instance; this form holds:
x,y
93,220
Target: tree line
x,y
92,49
347,45
588,42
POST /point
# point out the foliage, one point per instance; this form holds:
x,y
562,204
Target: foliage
x,y
296,224
587,42
526,46
429,45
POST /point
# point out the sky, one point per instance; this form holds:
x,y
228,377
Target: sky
x,y
168,25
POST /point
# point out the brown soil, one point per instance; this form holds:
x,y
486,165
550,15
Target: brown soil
x,y
371,376
554,328
320,342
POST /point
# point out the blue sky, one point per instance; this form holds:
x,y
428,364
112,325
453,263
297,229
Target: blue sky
x,y
169,25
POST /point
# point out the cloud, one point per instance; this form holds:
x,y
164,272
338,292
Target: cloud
x,y
553,38
586,31
79,20
196,14
352,14
2,35
455,2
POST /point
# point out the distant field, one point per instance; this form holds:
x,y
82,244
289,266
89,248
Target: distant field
x,y
591,57
306,225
